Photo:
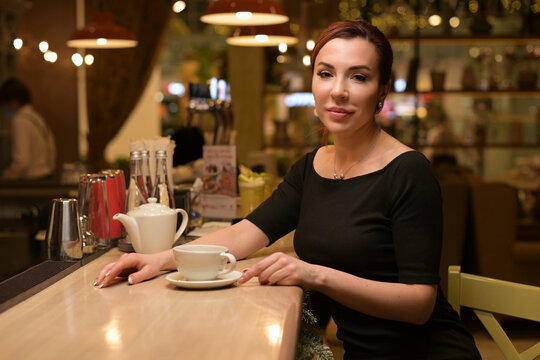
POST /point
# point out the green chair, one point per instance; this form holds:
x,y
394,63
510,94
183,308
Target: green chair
x,y
487,296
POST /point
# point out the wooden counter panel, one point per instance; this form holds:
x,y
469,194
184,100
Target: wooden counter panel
x,y
152,320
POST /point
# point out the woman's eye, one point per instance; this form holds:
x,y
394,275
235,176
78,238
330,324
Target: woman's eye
x,y
324,74
359,77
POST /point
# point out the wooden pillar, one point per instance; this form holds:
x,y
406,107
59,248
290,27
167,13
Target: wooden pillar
x,y
246,76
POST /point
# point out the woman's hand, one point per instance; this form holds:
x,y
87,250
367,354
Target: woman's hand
x,y
136,267
282,269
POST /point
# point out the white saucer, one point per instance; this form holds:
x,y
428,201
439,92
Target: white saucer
x,y
222,280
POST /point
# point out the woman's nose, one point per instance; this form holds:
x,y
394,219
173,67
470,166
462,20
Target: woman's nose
x,y
339,91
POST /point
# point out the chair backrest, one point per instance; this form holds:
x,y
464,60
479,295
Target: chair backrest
x,y
487,296
495,213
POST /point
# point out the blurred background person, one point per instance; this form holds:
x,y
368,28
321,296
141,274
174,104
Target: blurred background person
x,y
447,150
33,149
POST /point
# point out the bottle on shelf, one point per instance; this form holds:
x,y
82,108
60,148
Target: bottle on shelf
x,y
161,189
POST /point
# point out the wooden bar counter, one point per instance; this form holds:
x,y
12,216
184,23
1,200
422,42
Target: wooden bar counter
x,y
72,319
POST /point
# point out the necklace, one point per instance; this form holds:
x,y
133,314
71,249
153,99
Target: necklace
x,y
364,155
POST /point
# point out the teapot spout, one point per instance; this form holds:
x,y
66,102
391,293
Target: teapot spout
x,y
132,228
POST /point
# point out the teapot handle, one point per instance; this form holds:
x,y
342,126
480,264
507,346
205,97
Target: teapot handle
x,y
185,220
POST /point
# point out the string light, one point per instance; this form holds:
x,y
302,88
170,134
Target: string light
x,y
454,21
89,59
435,20
179,6
50,56
306,60
77,59
43,46
17,43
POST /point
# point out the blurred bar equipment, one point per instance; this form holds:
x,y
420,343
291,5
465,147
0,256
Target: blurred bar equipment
x,y
121,187
216,100
221,109
198,103
64,238
115,204
99,211
84,198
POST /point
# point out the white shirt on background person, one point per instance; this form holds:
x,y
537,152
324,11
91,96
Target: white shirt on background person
x,y
33,150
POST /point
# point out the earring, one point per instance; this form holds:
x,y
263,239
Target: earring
x,y
379,107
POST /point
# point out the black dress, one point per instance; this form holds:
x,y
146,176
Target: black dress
x,y
384,226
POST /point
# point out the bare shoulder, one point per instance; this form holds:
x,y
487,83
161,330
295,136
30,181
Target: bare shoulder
x,y
392,148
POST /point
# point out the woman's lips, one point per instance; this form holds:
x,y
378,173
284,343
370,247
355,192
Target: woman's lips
x,y
338,113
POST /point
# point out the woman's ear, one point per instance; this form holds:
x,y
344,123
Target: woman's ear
x,y
384,90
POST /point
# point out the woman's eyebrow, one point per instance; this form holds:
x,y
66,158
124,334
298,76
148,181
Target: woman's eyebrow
x,y
325,64
360,67
355,67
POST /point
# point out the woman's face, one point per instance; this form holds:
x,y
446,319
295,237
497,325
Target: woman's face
x,y
345,84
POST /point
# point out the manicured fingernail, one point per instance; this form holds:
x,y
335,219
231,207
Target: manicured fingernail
x,y
100,286
95,282
107,274
130,280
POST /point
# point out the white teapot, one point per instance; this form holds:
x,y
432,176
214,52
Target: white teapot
x,y
151,226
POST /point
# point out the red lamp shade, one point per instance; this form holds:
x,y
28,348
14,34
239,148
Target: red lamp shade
x,y
266,35
102,32
244,13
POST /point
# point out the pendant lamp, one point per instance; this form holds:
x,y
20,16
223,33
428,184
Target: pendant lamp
x,y
102,33
244,13
266,35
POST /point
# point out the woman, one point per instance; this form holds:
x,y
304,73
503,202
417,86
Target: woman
x,y
367,214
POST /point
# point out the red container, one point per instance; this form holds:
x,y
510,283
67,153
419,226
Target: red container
x,y
121,186
113,204
98,210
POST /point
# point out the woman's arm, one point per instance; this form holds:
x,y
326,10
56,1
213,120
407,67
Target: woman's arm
x,y
242,239
412,303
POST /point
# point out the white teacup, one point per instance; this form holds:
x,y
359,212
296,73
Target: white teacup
x,y
203,262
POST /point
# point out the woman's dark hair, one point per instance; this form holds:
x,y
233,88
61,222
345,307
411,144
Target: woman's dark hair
x,y
348,29
14,89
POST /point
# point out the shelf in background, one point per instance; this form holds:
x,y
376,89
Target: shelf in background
x,y
474,93
486,145
465,40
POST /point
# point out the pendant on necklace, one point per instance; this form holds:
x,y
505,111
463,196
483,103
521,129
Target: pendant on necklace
x,y
338,177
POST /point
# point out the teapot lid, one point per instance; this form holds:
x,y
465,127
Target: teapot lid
x,y
152,208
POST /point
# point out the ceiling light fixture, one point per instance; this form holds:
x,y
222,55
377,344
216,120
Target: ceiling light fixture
x,y
244,13
102,33
267,35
